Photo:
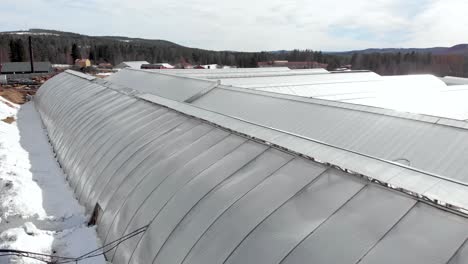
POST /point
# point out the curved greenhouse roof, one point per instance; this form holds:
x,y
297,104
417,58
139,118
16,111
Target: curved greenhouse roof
x,y
451,80
214,188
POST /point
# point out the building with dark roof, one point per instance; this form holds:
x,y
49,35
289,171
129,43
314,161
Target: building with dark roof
x,y
25,67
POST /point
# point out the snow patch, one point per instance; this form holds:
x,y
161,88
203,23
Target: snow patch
x,y
104,74
19,239
38,211
7,108
78,241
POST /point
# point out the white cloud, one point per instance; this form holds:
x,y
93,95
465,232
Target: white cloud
x,y
253,24
445,23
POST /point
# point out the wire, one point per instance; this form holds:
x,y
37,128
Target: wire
x,y
32,255
114,244
53,259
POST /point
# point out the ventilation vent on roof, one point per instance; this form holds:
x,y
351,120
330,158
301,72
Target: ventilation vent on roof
x,y
403,161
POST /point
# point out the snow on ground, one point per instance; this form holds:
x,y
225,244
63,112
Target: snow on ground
x,y
104,74
7,108
38,211
32,33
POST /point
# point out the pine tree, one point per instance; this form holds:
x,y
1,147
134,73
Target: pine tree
x,y
253,62
92,57
75,52
333,63
12,53
17,52
354,60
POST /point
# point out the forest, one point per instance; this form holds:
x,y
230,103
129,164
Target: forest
x,y
63,48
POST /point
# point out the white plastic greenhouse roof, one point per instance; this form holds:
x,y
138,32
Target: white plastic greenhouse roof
x,y
450,80
217,74
361,89
218,189
226,75
254,82
424,142
217,71
443,103
423,94
418,141
149,82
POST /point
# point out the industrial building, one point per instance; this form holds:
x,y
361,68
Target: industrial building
x,y
23,70
3,79
223,168
25,67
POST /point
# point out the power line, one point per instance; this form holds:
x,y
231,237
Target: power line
x,y
53,259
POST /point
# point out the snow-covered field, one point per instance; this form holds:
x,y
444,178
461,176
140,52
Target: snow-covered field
x,y
38,211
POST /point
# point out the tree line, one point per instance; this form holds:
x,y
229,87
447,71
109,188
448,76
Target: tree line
x,y
411,63
66,48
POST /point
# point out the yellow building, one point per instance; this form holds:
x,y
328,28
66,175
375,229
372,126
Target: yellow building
x,y
82,63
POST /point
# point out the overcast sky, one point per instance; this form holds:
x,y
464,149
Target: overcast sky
x,y
253,25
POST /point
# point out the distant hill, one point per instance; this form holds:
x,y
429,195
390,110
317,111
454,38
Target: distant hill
x,y
55,46
461,49
71,35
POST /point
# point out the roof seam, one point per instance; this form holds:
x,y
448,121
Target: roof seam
x,y
294,195
456,251
206,195
173,194
386,233
326,220
202,93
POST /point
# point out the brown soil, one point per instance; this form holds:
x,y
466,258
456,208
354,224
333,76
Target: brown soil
x,y
9,120
14,96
